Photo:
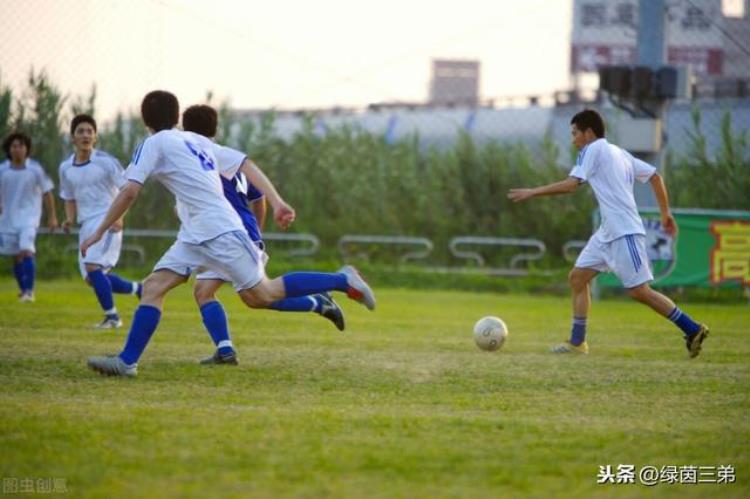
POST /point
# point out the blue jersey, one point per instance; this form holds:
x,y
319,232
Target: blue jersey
x,y
239,192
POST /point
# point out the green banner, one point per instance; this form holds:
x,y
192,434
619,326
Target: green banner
x,y
712,248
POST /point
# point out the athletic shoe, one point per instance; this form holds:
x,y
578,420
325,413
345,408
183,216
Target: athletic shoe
x,y
358,288
695,343
111,321
568,347
27,297
331,310
112,365
217,358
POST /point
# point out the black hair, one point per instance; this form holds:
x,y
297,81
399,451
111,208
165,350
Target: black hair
x,y
25,139
201,119
81,118
160,110
588,118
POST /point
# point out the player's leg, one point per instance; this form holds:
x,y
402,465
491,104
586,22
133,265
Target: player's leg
x,y
170,271
9,247
27,251
124,286
589,263
97,279
215,319
234,255
18,272
636,275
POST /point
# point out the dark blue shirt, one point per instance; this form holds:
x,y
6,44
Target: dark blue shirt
x,y
239,192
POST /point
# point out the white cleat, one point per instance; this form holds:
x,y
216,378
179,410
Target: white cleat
x,y
27,297
109,322
358,288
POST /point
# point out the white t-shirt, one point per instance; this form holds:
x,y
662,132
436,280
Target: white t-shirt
x,y
186,164
21,192
93,185
611,172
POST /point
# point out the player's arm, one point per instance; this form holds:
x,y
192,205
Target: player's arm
x,y
117,210
283,214
260,210
49,204
566,186
662,198
70,214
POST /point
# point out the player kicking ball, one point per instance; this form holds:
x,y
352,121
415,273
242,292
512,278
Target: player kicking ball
x,y
619,245
241,194
89,181
211,233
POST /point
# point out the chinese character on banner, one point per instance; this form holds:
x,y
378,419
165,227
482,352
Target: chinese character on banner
x,y
707,474
43,485
10,485
625,473
27,486
725,474
669,474
730,257
59,485
689,474
605,475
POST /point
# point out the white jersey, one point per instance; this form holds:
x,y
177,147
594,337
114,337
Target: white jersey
x,y
186,164
21,192
611,172
93,185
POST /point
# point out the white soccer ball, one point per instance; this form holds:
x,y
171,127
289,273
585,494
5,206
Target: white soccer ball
x,y
490,333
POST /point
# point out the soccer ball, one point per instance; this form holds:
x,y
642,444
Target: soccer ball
x,y
490,333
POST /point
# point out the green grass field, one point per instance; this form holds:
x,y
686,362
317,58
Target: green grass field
x,y
400,405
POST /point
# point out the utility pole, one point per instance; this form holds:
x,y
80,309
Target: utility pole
x,y
651,52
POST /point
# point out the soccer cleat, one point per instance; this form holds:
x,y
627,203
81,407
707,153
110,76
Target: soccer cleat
x,y
112,365
568,347
331,310
358,288
217,358
695,343
27,297
111,321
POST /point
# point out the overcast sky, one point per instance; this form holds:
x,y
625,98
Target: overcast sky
x,y
283,53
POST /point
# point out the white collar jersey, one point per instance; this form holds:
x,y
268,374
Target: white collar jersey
x,y
21,192
185,163
611,172
92,184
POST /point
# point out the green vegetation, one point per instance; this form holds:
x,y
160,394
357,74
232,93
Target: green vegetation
x,y
400,405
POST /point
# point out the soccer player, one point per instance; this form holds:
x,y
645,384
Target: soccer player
x,y
23,184
211,233
203,120
89,181
619,244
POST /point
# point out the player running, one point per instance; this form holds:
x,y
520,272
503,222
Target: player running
x,y
619,245
89,181
203,120
211,233
23,184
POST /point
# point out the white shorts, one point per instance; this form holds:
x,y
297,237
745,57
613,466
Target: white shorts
x,y
105,253
232,256
626,257
15,241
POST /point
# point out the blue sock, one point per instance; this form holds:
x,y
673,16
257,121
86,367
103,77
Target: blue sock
x,y
120,285
310,283
215,321
684,322
578,334
298,304
29,272
103,290
18,272
145,320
